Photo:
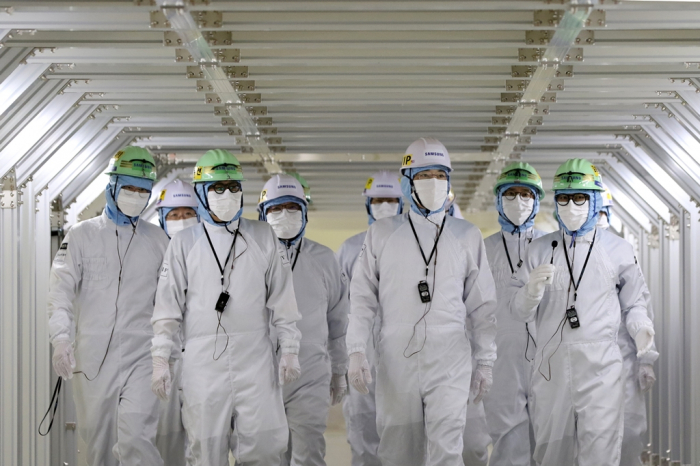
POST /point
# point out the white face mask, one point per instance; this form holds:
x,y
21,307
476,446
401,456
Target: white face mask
x,y
174,226
573,216
384,210
432,193
286,224
225,205
603,221
518,210
132,203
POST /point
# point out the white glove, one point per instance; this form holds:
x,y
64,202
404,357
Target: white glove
x,y
63,358
359,373
482,380
290,370
646,377
339,387
162,378
644,340
539,277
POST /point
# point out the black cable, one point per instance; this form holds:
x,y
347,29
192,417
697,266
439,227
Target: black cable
x,y
54,401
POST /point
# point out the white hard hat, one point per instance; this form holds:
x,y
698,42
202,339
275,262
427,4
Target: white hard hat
x,y
426,152
383,184
280,186
177,193
607,197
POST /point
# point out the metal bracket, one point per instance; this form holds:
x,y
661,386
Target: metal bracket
x,y
244,85
524,139
267,131
586,37
219,111
547,18
204,86
556,84
208,19
489,148
500,121
195,72
222,55
511,96
490,140
541,110
565,71
171,39
530,130
218,37
234,131
530,54
158,20
517,85
522,71
228,121
550,97
575,53
250,98
505,109
212,98
257,111
539,37
9,198
267,121
496,130
535,121
274,140
596,19
235,71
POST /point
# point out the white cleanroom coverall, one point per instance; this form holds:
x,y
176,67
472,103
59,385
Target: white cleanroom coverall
x,y
360,411
507,405
116,411
422,399
171,439
578,413
322,299
635,403
476,431
235,400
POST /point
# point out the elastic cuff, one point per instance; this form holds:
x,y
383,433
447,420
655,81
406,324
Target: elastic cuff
x,y
338,371
161,347
356,349
60,338
485,362
649,358
289,347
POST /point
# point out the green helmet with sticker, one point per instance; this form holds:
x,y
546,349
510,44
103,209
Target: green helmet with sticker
x,y
217,165
304,185
133,161
520,173
578,174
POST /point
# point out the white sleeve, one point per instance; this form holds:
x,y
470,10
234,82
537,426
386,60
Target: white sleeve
x,y
634,303
170,303
337,317
66,275
281,300
364,297
480,301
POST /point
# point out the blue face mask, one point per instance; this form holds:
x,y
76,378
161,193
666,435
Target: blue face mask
x,y
116,183
506,224
407,188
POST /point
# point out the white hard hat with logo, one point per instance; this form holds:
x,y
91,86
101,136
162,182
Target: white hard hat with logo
x,y
281,186
383,184
607,197
177,193
426,152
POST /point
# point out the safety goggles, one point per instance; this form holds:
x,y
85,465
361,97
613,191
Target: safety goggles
x,y
578,198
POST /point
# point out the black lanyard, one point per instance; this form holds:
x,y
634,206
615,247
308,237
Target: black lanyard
x,y
233,245
297,254
520,262
427,261
583,270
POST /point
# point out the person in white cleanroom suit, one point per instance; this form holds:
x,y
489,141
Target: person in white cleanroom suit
x,y
424,369
383,198
518,193
321,293
224,281
577,284
638,373
476,437
103,282
177,210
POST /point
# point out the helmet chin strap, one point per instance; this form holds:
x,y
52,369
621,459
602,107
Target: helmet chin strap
x,y
416,198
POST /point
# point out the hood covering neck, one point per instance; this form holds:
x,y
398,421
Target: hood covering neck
x,y
116,183
203,211
508,226
407,188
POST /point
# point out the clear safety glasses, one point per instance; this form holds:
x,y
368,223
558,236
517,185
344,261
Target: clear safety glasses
x,y
511,195
578,198
288,207
220,188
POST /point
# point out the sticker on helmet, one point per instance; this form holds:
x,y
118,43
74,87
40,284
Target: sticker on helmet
x,y
162,195
369,183
407,160
118,155
595,170
263,195
198,173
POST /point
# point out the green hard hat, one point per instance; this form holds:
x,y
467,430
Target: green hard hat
x,y
520,173
578,174
304,185
217,165
133,161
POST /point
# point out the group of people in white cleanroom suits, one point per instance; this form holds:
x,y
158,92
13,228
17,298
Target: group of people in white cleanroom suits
x,y
217,334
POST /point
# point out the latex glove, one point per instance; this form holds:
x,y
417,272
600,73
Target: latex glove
x,y
482,380
646,377
339,387
63,359
290,370
162,378
539,277
644,340
359,373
